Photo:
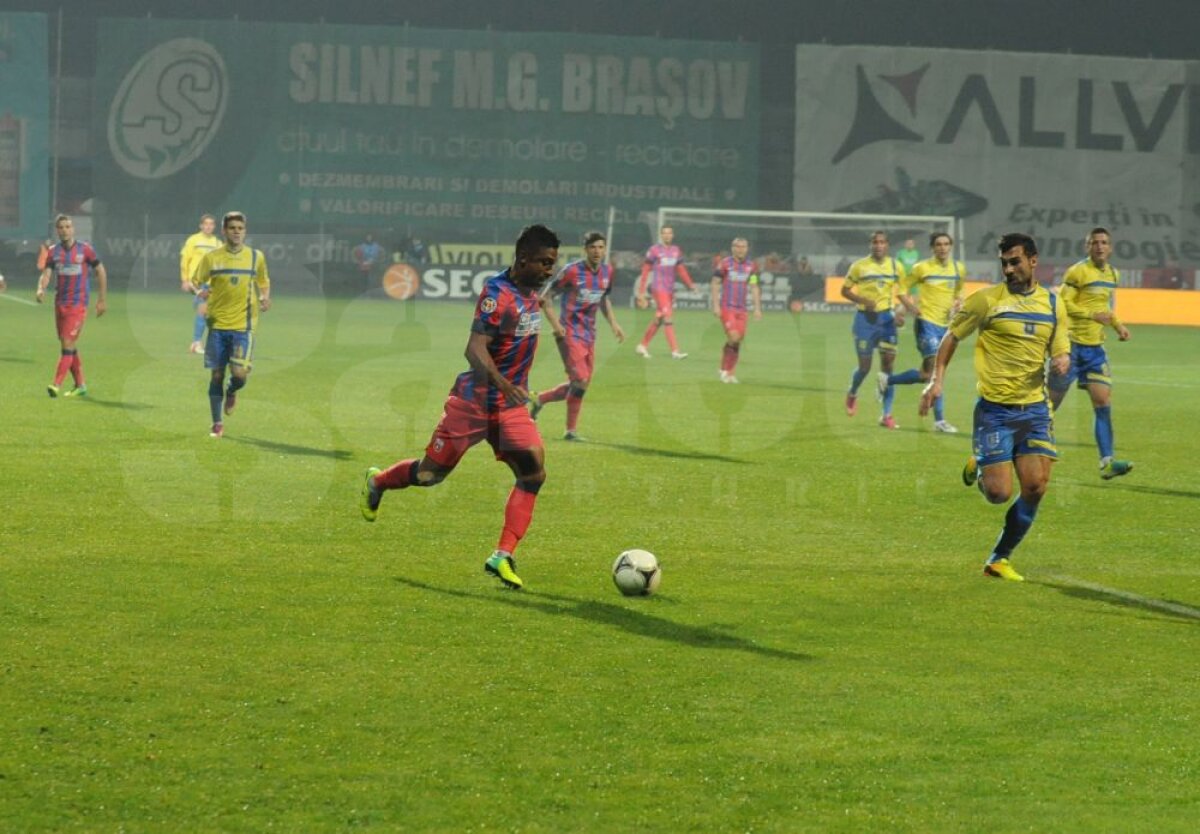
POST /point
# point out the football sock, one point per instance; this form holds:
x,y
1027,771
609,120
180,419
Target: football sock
x,y
198,328
1104,431
857,379
64,364
909,377
669,328
236,383
1017,522
215,398
518,512
889,397
553,395
939,413
735,352
726,358
574,403
77,370
399,475
650,332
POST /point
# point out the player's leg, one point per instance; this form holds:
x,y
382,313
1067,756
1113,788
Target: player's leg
x,y
887,361
865,341
217,352
659,314
735,334
1094,376
912,375
239,366
1059,384
68,321
517,443
1033,455
666,305
199,321
581,364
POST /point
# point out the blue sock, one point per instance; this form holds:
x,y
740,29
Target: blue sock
x,y
198,328
1017,522
1104,431
939,413
912,375
888,399
236,384
214,399
857,379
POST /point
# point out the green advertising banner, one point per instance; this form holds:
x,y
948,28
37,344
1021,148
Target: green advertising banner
x,y
24,126
465,133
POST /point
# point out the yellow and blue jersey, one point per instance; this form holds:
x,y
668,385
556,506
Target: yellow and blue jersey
x,y
195,248
1016,333
939,285
1088,289
237,280
875,282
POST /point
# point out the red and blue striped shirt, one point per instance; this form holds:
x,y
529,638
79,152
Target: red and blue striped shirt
x,y
584,290
72,267
736,277
664,262
511,317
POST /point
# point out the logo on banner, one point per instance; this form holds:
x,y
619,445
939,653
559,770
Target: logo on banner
x,y
401,281
168,108
872,123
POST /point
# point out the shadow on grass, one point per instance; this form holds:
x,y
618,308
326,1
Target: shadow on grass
x,y
1122,599
665,453
1125,486
617,616
124,406
291,448
784,386
20,359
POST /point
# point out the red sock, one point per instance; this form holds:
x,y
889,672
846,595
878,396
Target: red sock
x,y
77,370
64,364
574,403
670,328
725,363
650,331
398,476
735,353
559,392
517,514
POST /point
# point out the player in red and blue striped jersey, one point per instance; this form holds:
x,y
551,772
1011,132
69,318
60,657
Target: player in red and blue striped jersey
x,y
488,401
72,262
664,261
584,287
734,283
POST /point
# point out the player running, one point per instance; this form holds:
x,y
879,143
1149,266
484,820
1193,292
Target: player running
x,y
487,402
238,288
1089,294
584,287
869,284
1019,323
72,262
664,261
195,248
735,277
939,282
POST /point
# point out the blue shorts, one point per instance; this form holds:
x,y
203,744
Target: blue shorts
x,y
874,330
929,337
1003,432
1089,366
228,347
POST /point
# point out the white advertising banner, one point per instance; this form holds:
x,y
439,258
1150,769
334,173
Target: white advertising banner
x,y
1051,145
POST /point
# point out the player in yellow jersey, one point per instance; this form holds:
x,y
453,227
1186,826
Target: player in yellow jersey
x,y
939,284
1019,323
1088,292
869,284
238,287
195,248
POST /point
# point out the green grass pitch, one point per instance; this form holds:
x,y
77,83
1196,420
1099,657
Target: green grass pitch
x,y
203,635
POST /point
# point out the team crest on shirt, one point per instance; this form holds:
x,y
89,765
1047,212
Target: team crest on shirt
x,y
488,305
439,444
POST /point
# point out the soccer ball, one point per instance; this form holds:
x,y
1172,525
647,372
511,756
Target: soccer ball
x,y
636,573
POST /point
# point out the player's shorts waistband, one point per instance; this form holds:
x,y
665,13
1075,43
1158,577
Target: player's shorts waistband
x,y
1015,406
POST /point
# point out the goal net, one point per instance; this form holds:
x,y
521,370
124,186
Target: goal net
x,y
796,251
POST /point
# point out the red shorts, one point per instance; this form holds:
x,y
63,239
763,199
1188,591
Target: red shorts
x,y
664,304
580,359
465,423
734,321
69,321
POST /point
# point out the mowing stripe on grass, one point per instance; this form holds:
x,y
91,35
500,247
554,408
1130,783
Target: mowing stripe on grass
x,y
1176,608
6,297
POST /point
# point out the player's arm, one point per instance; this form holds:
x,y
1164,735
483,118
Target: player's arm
x,y
1060,342
43,282
756,295
482,364
933,390
960,290
682,271
906,284
102,285
263,281
551,314
606,309
1122,331
642,282
185,267
714,294
1068,294
850,293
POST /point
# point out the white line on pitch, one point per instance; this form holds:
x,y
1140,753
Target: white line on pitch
x,y
6,297
1146,602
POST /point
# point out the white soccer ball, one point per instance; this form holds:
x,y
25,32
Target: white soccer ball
x,y
636,573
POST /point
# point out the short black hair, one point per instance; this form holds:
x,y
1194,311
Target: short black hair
x,y
933,237
1013,239
232,215
878,233
1099,230
593,237
533,238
